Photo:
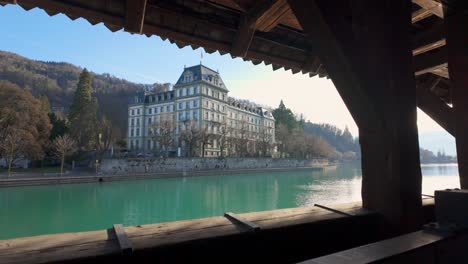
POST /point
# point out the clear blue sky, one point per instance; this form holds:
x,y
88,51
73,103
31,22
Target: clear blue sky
x,y
137,58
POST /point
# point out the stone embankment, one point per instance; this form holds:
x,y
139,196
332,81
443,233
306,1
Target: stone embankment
x,y
137,166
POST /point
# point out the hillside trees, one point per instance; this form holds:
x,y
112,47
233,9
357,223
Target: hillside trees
x,y
24,126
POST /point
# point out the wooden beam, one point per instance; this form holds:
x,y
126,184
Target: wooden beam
x,y
124,243
370,64
420,15
273,16
434,33
243,223
247,27
135,16
456,22
429,47
432,6
12,2
434,106
427,61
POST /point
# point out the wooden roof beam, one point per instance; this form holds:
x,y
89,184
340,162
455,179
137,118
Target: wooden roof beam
x,y
432,6
428,8
248,23
273,16
135,16
426,62
434,106
429,39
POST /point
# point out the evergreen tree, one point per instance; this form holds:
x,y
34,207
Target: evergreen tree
x,y
82,114
284,116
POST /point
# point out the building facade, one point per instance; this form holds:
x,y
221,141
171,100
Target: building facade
x,y
198,118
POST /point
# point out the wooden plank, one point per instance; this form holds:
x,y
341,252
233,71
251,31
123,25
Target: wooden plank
x,y
333,210
434,106
135,16
238,220
124,243
456,22
381,251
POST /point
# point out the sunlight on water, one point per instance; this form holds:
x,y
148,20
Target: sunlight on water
x,y
28,211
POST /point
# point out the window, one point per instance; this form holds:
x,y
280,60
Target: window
x,y
149,121
195,103
138,121
195,114
137,132
184,92
168,108
138,111
181,116
150,111
131,144
195,90
206,115
206,103
132,122
179,93
180,105
131,132
191,90
137,144
149,144
133,111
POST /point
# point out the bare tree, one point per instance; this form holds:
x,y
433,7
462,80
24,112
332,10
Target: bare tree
x,y
105,136
222,137
243,138
189,135
282,135
205,138
162,132
265,140
63,146
12,146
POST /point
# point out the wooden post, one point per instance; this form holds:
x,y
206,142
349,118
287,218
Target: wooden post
x,y
456,23
365,47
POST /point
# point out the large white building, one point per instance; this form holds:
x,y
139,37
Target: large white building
x,y
199,104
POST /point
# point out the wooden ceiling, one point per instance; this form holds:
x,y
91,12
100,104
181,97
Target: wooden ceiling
x,y
255,30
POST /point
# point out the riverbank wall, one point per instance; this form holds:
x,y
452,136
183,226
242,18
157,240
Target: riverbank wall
x,y
137,166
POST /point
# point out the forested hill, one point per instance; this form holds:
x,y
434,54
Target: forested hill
x,y
57,80
342,140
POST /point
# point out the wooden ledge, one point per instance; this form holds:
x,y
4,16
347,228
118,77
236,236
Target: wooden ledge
x,y
66,247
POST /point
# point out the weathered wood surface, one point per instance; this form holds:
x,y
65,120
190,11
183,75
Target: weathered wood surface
x,y
456,23
243,224
67,246
124,243
370,63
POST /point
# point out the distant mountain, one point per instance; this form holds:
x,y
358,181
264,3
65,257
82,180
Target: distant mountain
x,y
57,80
438,141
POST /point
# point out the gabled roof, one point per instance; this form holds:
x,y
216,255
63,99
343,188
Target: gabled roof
x,y
201,73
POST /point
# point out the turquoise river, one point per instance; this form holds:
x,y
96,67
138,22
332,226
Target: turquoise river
x,y
36,210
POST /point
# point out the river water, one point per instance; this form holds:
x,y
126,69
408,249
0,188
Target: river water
x,y
35,210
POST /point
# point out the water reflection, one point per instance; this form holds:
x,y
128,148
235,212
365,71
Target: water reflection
x,y
27,211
